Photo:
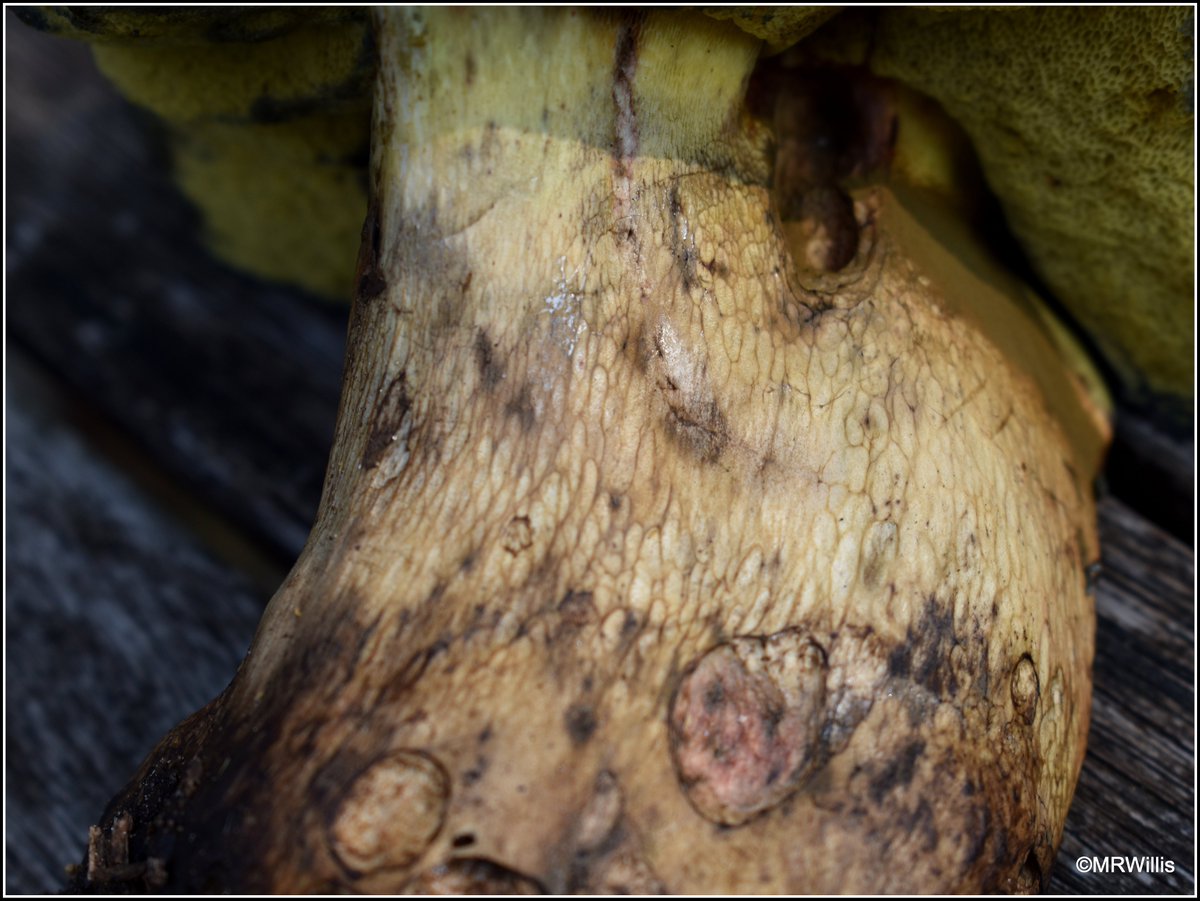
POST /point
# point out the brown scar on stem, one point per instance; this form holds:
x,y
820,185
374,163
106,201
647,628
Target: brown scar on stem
x,y
388,421
370,278
490,370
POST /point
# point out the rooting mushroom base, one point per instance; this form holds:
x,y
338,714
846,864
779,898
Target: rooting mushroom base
x,y
646,560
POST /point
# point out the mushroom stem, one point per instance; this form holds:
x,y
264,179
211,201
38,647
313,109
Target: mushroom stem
x,y
645,560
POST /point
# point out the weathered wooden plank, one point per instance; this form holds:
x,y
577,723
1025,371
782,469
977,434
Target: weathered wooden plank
x,y
118,624
1135,796
229,382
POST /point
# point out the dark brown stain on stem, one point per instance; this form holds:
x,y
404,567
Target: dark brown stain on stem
x,y
521,409
682,248
370,281
581,724
490,370
389,419
624,66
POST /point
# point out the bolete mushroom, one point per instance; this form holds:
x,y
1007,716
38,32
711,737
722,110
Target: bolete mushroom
x,y
700,518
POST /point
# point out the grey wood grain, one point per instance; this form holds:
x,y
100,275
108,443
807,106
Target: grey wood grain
x,y
118,623
109,287
1135,796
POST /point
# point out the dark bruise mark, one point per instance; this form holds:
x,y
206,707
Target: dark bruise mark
x,y
429,606
370,281
521,409
463,840
577,609
898,772
581,724
924,656
412,670
366,633
714,696
624,67
983,678
439,647
977,833
477,617
921,820
693,418
614,501
700,429
682,249
772,716
999,861
389,418
470,69
1091,576
476,772
490,371
630,624
639,347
